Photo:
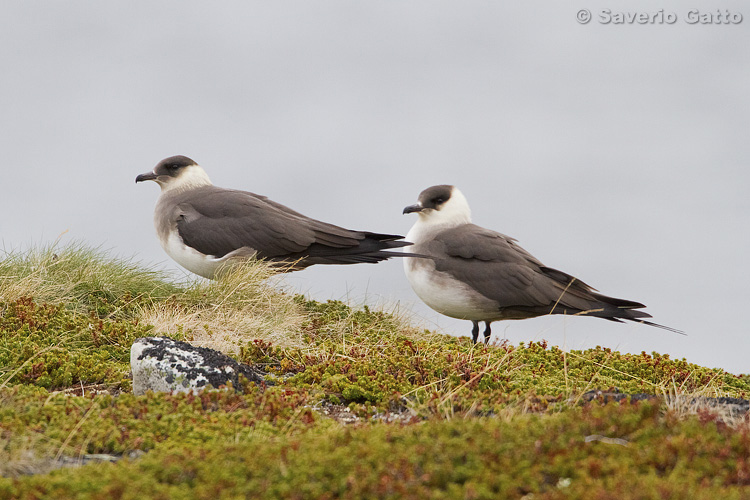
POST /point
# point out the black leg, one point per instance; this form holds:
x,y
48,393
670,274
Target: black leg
x,y
475,331
487,331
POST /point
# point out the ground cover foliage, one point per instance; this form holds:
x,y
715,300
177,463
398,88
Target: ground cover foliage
x,y
363,405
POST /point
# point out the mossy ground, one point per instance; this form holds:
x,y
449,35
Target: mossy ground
x,y
436,417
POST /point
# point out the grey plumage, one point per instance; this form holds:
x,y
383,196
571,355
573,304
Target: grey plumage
x,y
218,221
192,215
493,277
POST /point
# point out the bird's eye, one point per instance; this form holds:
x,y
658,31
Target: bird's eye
x,y
438,200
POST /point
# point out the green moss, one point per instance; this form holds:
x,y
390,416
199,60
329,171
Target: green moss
x,y
467,421
375,366
549,457
55,347
107,424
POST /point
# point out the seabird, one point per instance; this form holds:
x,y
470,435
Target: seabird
x,y
477,274
201,226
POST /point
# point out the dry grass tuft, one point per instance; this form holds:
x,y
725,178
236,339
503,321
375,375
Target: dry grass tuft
x,y
245,303
72,274
732,415
21,458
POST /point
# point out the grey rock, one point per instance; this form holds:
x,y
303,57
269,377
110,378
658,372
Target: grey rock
x,y
734,406
161,364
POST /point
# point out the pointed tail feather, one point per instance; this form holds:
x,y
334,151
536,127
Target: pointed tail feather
x,y
614,309
657,325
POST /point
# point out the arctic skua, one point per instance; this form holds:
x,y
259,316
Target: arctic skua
x,y
202,226
481,275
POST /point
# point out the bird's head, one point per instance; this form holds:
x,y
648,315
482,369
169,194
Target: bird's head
x,y
443,204
176,173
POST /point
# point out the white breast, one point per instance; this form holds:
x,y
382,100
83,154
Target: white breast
x,y
189,258
439,290
447,295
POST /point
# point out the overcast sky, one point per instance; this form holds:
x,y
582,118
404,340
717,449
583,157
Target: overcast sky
x,y
618,153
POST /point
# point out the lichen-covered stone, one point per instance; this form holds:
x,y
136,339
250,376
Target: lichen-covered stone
x,y
161,364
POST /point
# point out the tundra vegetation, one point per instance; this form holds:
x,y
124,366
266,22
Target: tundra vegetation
x,y
363,404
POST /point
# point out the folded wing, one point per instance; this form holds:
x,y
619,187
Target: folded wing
x,y
501,270
218,222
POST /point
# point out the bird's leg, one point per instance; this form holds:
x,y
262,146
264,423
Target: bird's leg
x,y
487,332
475,331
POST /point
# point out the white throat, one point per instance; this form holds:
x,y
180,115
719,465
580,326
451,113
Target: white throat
x,y
190,178
454,212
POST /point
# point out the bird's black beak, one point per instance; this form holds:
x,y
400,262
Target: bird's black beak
x,y
413,208
150,176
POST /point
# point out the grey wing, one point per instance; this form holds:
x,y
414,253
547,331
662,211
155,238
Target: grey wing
x,y
218,221
498,268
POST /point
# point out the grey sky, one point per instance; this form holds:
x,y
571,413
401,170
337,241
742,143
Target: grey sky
x,y
616,153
